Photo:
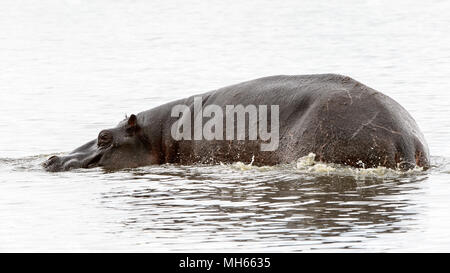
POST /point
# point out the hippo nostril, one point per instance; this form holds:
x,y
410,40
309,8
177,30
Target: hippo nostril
x,y
51,160
52,163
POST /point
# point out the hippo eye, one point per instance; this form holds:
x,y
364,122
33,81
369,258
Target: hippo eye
x,y
104,138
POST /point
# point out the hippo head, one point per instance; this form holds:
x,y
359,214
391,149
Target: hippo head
x,y
122,147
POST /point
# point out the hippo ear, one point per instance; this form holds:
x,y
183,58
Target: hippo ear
x,y
132,121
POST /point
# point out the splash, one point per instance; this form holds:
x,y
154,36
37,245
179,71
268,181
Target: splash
x,y
241,166
308,165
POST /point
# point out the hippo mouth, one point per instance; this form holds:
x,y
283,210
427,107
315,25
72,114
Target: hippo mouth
x,y
93,162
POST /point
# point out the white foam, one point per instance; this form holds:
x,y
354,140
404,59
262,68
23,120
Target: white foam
x,y
308,165
245,167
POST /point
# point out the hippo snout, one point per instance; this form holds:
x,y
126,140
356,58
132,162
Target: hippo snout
x,y
89,158
53,164
57,164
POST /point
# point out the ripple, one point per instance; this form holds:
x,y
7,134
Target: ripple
x,y
207,206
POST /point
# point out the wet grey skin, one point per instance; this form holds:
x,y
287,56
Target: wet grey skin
x,y
336,117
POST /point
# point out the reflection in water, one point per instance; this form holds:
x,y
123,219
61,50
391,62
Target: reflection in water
x,y
278,208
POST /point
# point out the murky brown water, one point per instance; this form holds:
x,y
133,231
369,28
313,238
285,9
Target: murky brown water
x,y
69,69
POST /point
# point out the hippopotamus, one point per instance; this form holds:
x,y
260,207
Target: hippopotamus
x,y
335,117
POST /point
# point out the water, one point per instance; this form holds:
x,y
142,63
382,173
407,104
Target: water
x,y
71,68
